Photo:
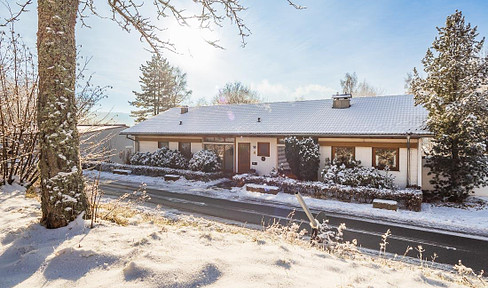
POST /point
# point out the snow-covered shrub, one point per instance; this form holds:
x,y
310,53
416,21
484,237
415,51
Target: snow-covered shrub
x,y
141,158
162,157
205,161
356,175
176,160
303,157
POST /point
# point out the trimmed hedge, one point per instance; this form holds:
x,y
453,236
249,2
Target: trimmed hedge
x,y
154,171
410,199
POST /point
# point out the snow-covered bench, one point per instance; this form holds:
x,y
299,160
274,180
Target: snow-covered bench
x,y
171,177
385,204
122,171
262,188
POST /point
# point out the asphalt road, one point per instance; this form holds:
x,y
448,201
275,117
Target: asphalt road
x,y
449,247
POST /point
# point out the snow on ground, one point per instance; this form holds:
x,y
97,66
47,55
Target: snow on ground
x,y
191,252
472,221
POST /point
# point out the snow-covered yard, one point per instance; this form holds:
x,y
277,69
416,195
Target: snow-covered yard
x,y
154,252
467,220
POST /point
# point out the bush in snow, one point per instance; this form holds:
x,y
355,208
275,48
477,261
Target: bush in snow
x,y
303,157
205,161
353,174
160,158
141,158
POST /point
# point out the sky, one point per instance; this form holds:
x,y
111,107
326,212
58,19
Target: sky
x,y
291,54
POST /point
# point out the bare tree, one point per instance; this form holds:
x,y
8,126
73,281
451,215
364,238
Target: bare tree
x,y
236,93
351,85
18,93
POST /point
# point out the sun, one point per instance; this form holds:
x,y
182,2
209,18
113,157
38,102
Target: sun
x,y
192,46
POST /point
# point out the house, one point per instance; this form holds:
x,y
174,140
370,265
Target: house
x,y
105,141
378,131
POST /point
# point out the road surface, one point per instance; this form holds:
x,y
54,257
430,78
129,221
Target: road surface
x,y
450,247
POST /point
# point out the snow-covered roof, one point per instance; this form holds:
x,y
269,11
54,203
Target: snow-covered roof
x,y
382,115
82,129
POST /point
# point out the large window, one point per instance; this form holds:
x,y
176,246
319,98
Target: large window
x,y
219,139
185,149
383,157
162,144
343,154
226,154
263,149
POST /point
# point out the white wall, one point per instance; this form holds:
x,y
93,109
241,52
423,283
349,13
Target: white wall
x,y
482,191
148,146
262,167
195,147
173,145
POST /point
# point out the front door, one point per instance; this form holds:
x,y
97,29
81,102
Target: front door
x,y
244,157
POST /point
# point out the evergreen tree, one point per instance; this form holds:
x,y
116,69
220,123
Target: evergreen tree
x,y
163,87
455,94
303,157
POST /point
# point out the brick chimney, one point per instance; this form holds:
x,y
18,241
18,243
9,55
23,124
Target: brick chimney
x,y
184,109
341,101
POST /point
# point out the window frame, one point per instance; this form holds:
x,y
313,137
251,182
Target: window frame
x,y
260,154
397,149
333,151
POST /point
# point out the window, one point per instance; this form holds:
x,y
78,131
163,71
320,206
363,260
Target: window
x,y
282,163
343,154
263,149
185,149
383,157
225,153
219,139
162,144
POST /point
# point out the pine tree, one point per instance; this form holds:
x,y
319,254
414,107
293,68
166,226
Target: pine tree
x,y
455,94
163,87
62,193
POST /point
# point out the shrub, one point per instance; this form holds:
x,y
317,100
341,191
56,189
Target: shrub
x,y
353,174
205,161
160,158
303,157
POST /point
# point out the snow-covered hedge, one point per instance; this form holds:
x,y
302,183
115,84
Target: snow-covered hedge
x,y
155,171
205,161
162,157
353,174
410,199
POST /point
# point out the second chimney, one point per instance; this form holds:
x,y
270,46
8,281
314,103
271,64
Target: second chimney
x,y
184,109
341,101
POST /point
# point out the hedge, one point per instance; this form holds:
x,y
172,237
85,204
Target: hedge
x,y
410,199
154,171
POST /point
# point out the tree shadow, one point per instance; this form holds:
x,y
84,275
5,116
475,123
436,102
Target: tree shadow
x,y
77,262
208,275
32,245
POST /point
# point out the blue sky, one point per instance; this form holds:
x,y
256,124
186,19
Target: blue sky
x,y
290,53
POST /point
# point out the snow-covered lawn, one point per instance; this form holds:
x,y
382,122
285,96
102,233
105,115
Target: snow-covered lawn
x,y
153,252
472,221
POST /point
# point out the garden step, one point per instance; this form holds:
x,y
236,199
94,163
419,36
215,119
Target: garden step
x,y
385,204
171,177
122,171
263,188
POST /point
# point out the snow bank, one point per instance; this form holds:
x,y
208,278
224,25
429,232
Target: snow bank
x,y
186,253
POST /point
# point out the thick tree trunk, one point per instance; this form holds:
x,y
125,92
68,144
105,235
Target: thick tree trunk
x,y
62,193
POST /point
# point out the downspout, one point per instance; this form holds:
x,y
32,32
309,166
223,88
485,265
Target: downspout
x,y
408,158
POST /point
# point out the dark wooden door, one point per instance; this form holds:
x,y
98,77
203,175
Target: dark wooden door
x,y
244,157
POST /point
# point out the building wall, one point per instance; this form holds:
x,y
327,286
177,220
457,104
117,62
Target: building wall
x,y
148,146
365,155
108,142
261,167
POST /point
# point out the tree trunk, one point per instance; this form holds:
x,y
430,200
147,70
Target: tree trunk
x,y
62,193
